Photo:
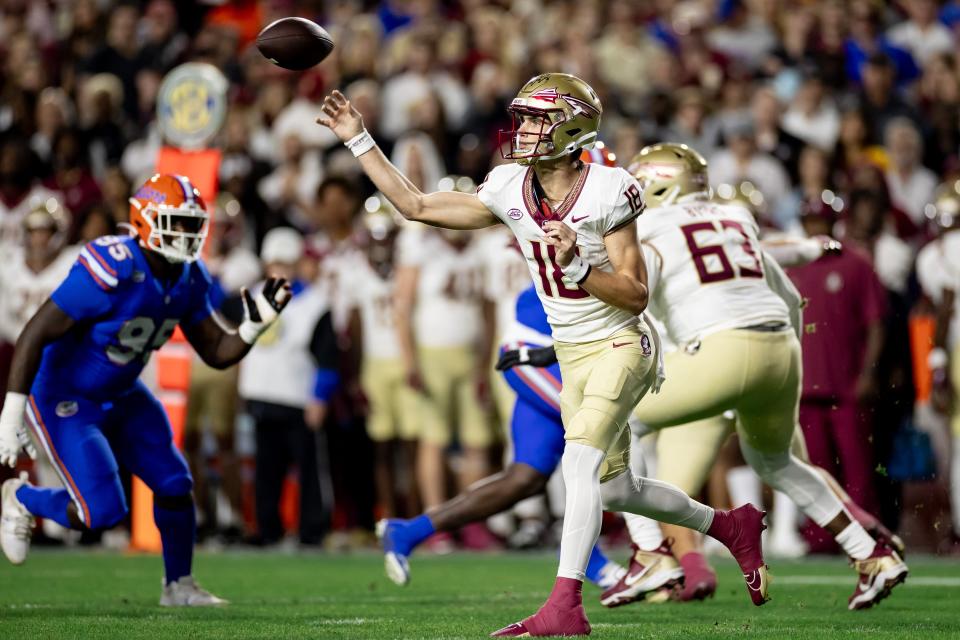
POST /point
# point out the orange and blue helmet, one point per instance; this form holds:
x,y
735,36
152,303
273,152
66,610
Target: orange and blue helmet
x,y
170,217
599,154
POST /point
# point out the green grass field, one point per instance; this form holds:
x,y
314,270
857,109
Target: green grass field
x,y
102,595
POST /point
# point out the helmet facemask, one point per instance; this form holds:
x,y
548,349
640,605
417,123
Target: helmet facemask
x,y
176,233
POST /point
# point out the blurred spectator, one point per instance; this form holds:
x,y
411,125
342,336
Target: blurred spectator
x,y
879,99
867,227
334,216
291,187
624,52
72,177
54,112
771,137
812,116
98,222
813,187
403,92
164,44
741,161
842,341
923,35
102,120
911,184
691,123
866,43
121,55
286,381
20,190
742,34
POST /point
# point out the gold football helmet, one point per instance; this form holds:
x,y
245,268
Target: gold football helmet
x,y
51,216
567,111
667,171
944,211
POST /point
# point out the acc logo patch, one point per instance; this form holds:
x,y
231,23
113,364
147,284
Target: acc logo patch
x,y
67,408
515,214
645,345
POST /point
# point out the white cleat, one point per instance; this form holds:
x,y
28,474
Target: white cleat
x,y
395,564
185,592
16,523
649,573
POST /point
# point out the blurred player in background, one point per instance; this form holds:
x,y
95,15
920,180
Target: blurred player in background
x,y
445,338
75,373
392,419
287,381
27,277
938,271
213,400
607,353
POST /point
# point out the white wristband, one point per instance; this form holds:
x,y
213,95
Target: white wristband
x,y
14,406
360,143
577,271
938,358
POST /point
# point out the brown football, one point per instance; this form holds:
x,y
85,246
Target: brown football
x,y
294,43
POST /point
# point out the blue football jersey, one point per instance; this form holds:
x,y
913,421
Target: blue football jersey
x,y
123,313
530,312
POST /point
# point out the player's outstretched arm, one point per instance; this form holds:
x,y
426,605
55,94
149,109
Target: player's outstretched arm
x,y
222,346
449,209
47,325
626,286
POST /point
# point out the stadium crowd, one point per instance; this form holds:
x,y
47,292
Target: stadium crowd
x,y
823,116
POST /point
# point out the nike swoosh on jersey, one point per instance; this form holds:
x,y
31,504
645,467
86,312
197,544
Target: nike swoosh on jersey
x,y
576,219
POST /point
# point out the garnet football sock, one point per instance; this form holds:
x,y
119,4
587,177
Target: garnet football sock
x,y
177,531
46,503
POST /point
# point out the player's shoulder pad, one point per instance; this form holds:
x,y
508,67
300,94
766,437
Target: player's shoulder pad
x,y
500,176
611,182
109,260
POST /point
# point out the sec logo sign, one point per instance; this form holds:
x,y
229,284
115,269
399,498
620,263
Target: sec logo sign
x,y
515,214
192,104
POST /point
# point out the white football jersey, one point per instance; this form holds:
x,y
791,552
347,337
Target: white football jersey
x,y
938,268
603,199
22,291
505,274
705,269
337,259
372,296
449,306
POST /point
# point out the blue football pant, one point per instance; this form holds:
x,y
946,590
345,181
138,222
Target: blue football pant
x,y
85,439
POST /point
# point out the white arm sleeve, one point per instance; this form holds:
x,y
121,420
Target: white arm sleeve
x,y
783,287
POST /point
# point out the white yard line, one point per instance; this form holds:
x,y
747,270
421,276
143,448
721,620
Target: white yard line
x,y
919,581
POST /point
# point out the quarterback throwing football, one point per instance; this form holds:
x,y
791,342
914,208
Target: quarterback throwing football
x,y
575,224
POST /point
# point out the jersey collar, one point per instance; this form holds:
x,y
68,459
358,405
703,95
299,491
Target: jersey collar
x,y
537,205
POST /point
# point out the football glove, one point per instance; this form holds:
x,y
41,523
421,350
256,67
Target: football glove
x,y
13,434
537,357
262,310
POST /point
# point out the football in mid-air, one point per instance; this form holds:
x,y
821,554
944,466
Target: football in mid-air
x,y
294,43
